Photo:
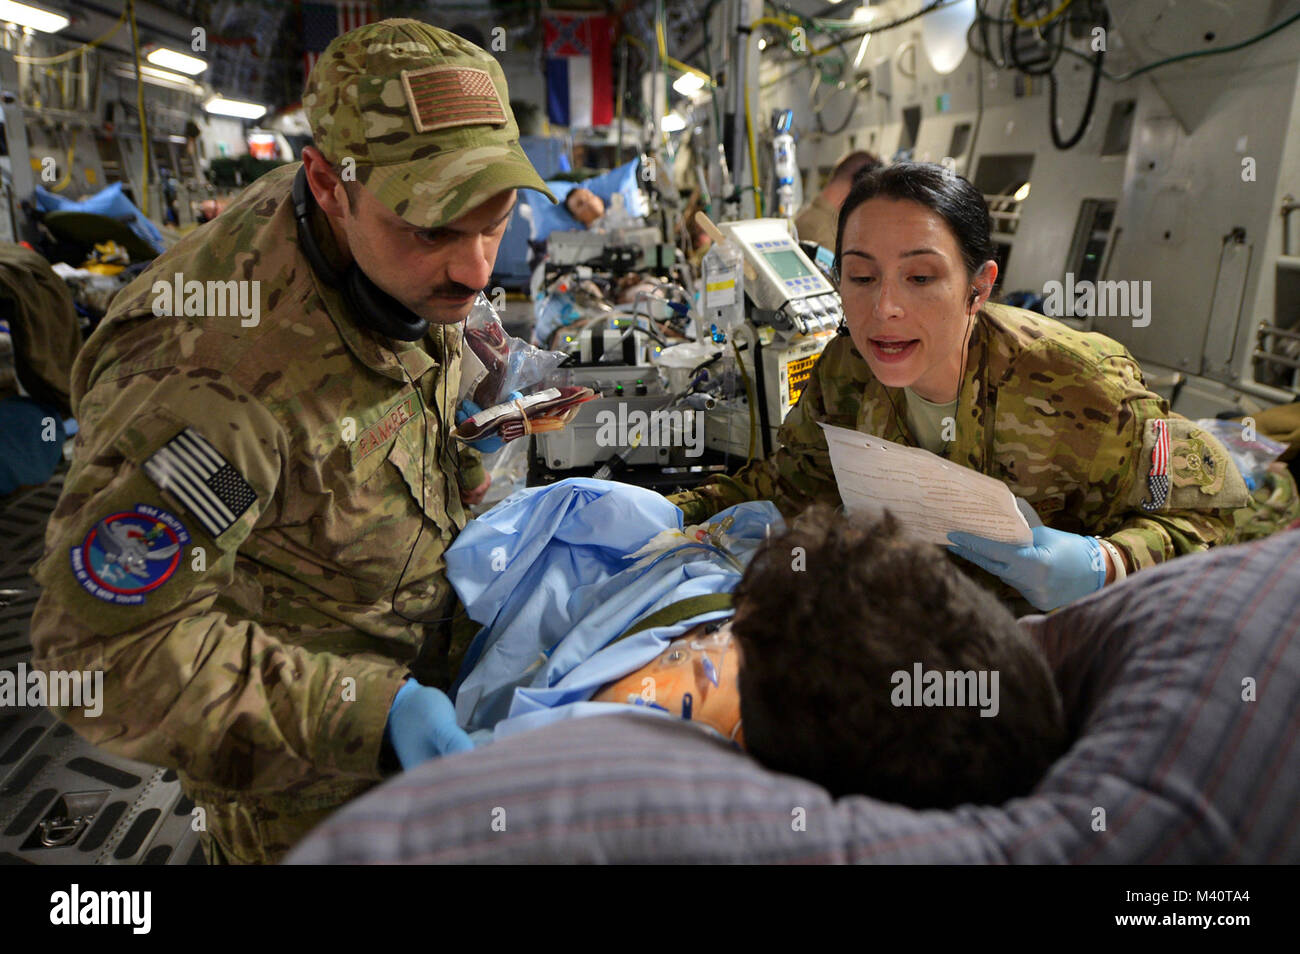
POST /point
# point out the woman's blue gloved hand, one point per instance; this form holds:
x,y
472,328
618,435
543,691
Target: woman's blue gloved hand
x,y
1055,569
422,725
484,445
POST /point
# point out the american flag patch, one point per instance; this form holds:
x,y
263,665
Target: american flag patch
x,y
1158,481
442,96
192,471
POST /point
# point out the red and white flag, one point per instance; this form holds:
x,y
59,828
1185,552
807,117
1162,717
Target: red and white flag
x,y
579,80
323,20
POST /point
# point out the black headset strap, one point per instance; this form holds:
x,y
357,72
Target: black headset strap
x,y
371,306
303,203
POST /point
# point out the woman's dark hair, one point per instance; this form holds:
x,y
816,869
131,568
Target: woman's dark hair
x,y
830,612
938,189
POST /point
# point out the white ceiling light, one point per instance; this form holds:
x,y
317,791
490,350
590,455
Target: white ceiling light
x,y
862,15
180,62
234,107
688,84
157,77
943,34
47,21
673,122
862,50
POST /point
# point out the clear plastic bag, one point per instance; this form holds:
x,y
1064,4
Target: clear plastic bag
x,y
1251,457
496,364
553,310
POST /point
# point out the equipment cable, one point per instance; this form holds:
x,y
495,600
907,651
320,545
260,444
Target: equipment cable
x,y
139,99
69,54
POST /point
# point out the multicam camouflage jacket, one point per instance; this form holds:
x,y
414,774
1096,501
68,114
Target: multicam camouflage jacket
x,y
1062,417
231,547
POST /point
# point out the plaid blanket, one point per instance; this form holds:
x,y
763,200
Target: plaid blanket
x,y
1181,684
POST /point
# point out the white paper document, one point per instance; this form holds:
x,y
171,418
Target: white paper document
x,y
930,496
472,372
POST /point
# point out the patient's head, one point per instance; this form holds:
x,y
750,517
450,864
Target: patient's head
x,y
693,678
849,632
584,205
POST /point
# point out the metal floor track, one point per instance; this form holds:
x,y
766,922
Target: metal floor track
x,y
95,808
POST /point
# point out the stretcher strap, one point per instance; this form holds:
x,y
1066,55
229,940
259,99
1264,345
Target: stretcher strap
x,y
676,612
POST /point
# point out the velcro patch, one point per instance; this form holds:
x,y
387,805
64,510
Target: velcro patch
x,y
203,481
1158,477
377,434
1194,463
443,96
1187,469
127,554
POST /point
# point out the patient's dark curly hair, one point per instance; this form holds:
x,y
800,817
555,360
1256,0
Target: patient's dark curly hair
x,y
828,611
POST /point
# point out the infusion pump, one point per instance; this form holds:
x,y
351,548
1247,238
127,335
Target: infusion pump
x,y
782,279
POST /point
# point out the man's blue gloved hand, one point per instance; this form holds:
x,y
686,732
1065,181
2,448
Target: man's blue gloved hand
x,y
422,725
484,445
1055,569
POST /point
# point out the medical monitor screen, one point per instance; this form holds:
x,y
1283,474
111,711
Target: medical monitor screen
x,y
787,264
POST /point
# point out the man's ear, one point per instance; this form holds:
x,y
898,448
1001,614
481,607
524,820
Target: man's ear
x,y
324,183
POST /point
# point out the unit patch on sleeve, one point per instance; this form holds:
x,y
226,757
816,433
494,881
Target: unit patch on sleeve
x,y
211,489
127,554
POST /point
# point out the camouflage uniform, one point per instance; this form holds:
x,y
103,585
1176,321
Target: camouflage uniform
x,y
818,222
251,630
1275,503
1062,417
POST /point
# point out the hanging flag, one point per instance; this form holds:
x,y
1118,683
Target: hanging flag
x,y
579,81
322,21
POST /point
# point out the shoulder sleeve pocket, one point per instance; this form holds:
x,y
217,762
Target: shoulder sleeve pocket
x,y
150,522
1185,468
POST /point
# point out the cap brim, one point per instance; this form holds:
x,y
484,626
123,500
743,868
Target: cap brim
x,y
432,192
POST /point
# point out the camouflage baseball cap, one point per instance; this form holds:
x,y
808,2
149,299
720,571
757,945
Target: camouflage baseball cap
x,y
424,114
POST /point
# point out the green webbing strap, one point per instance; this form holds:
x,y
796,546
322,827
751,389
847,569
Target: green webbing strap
x,y
676,612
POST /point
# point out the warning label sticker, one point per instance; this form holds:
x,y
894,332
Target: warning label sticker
x,y
797,374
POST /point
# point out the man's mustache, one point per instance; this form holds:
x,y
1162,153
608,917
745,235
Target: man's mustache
x,y
455,290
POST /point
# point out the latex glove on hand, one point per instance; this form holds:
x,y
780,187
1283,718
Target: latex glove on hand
x,y
422,725
484,445
1055,569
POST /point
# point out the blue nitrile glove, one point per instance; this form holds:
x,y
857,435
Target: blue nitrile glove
x,y
422,725
1055,569
484,445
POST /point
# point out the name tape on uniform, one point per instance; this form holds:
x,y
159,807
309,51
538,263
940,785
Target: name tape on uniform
x,y
198,476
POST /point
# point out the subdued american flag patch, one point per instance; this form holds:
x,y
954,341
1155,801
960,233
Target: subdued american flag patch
x,y
191,470
442,96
